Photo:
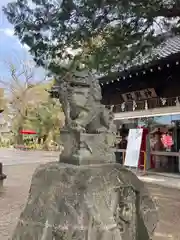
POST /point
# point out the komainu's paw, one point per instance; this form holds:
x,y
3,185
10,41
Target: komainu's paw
x,y
77,127
101,130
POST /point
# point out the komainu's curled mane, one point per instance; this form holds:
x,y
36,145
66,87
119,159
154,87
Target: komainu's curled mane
x,y
90,117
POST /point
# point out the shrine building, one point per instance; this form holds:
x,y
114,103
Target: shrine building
x,y
147,93
150,88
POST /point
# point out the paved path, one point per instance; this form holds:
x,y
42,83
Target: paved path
x,y
168,204
16,157
165,181
14,197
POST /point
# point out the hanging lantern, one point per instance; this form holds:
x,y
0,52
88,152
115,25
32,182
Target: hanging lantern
x,y
163,101
123,106
134,105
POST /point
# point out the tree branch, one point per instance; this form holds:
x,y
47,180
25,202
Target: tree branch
x,y
168,12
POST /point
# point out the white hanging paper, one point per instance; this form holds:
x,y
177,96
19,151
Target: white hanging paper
x,y
177,101
123,106
163,100
134,105
146,105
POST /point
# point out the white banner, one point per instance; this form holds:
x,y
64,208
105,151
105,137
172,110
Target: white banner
x,y
133,147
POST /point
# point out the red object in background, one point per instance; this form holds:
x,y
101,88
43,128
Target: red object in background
x,y
167,141
28,132
143,149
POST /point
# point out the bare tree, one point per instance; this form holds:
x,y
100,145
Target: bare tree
x,y
21,95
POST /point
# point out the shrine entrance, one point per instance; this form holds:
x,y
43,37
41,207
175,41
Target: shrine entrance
x,y
163,136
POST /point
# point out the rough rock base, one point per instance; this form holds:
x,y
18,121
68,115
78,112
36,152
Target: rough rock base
x,y
2,176
95,202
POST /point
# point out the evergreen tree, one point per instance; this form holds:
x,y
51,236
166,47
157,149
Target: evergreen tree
x,y
108,33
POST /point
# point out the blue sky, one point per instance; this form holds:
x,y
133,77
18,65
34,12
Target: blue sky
x,y
11,49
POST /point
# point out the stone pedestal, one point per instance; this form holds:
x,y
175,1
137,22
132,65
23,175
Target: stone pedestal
x,y
71,144
94,202
83,148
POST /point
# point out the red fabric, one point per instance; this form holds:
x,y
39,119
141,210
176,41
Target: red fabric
x,y
27,132
167,140
143,148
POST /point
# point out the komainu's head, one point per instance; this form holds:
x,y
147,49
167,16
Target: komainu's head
x,y
85,89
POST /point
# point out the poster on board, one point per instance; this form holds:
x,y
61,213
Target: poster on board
x,y
133,147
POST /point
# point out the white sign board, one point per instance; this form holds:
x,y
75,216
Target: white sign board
x,y
133,147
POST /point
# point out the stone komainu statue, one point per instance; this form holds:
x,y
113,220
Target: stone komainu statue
x,y
86,111
89,124
86,196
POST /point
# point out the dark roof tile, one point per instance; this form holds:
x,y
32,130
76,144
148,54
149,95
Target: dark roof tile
x,y
167,48
170,46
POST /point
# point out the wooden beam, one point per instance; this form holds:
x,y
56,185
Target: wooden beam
x,y
164,111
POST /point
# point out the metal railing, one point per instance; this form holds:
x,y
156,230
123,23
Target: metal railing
x,y
149,104
123,151
152,153
156,153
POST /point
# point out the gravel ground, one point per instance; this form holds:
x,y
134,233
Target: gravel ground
x,y
16,187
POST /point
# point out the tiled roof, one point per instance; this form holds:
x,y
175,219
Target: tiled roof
x,y
166,49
